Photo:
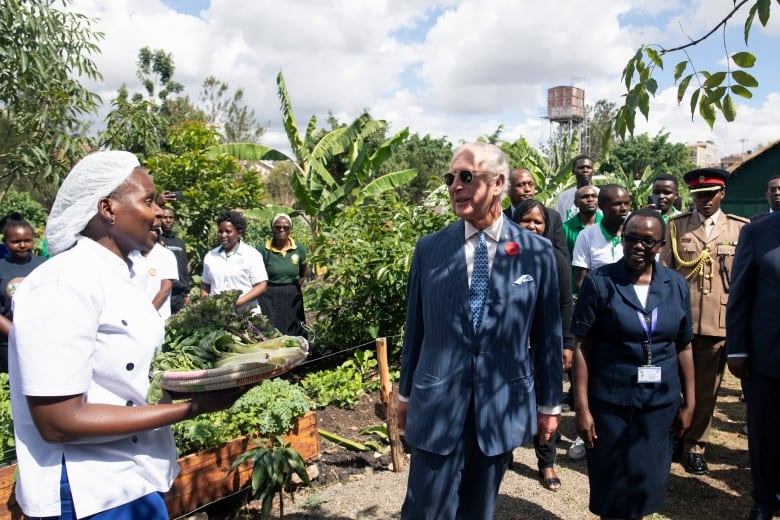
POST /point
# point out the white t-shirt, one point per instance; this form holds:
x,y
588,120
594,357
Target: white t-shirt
x,y
592,249
160,264
242,270
82,325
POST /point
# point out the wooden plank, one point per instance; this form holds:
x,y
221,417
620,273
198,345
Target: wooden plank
x,y
205,476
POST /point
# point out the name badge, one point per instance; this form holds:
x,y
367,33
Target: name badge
x,y
648,374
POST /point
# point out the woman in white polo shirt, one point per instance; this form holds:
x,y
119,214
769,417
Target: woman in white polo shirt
x,y
83,338
233,264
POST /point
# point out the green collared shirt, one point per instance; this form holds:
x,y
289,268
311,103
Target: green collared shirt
x,y
572,228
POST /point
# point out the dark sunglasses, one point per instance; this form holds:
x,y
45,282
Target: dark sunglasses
x,y
466,176
648,243
281,228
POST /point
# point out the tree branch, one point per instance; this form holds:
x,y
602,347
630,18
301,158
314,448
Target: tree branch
x,y
737,7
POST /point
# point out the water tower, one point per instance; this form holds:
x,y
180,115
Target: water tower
x,y
566,108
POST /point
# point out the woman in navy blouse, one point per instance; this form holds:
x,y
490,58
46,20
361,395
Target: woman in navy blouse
x,y
632,362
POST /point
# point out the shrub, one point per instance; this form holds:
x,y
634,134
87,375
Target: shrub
x,y
368,253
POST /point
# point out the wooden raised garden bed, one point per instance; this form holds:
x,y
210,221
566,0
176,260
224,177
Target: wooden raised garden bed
x,y
205,476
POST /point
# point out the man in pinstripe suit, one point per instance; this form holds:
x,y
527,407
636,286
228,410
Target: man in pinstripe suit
x,y
471,390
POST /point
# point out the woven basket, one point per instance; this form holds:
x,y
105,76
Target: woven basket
x,y
230,376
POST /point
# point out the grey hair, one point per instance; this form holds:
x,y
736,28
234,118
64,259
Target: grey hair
x,y
488,158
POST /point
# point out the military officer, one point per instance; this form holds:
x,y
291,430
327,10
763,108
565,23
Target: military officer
x,y
700,245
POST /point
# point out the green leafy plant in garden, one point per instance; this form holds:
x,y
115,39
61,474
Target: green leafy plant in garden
x,y
368,251
340,386
7,455
273,467
268,409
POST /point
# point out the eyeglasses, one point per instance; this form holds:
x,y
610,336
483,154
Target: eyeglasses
x,y
281,228
647,243
466,176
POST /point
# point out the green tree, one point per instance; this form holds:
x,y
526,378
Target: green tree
x,y
210,184
710,92
44,54
134,126
155,70
139,122
229,113
279,186
319,195
550,180
429,156
600,138
636,154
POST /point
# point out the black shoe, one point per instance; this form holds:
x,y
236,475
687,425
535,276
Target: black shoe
x,y
757,514
694,463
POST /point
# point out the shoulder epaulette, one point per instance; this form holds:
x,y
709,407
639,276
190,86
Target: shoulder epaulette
x,y
680,215
738,218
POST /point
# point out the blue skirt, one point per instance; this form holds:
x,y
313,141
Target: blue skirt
x,y
628,468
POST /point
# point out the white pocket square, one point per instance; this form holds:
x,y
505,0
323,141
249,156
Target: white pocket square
x,y
523,279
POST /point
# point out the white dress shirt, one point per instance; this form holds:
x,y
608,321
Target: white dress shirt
x,y
82,325
242,269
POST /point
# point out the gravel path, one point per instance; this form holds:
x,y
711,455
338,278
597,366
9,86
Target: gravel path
x,y
724,493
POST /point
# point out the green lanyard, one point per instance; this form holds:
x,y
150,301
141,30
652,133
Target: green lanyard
x,y
612,239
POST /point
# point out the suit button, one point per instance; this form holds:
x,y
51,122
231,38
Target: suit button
x,y
129,367
129,403
134,438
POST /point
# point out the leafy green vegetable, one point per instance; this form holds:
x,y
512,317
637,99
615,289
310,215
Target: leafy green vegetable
x,y
201,333
268,409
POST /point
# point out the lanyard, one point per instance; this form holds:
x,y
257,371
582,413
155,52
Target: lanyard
x,y
648,324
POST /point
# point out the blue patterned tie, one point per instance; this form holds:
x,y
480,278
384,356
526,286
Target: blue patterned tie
x,y
479,282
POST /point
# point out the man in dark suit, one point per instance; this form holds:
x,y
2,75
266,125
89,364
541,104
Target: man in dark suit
x,y
772,197
480,291
753,350
522,187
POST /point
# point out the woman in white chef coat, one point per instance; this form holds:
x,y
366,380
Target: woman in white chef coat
x,y
81,346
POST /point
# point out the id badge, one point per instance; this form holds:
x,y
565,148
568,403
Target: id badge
x,y
648,374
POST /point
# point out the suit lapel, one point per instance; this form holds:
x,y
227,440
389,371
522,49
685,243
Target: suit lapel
x,y
625,288
657,294
454,247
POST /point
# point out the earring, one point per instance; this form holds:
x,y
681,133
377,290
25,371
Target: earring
x,y
113,220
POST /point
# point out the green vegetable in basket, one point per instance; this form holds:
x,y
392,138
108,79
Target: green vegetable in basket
x,y
262,354
211,333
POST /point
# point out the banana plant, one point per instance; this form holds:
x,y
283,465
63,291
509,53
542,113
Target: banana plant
x,y
320,196
552,175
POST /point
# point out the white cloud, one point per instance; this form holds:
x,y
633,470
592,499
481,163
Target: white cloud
x,y
455,68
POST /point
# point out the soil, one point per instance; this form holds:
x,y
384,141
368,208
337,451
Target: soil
x,y
362,485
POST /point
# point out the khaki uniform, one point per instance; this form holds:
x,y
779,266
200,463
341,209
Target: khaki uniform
x,y
708,281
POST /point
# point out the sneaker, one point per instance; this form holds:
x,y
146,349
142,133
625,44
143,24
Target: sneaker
x,y
577,449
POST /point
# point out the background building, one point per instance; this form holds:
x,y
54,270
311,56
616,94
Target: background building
x,y
703,154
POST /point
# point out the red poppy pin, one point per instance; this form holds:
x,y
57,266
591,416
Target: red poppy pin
x,y
512,248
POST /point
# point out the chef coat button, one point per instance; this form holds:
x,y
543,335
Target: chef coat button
x,y
129,367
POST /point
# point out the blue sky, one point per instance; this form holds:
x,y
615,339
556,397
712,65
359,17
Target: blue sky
x,y
454,68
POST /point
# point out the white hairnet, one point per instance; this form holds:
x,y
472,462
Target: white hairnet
x,y
94,177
